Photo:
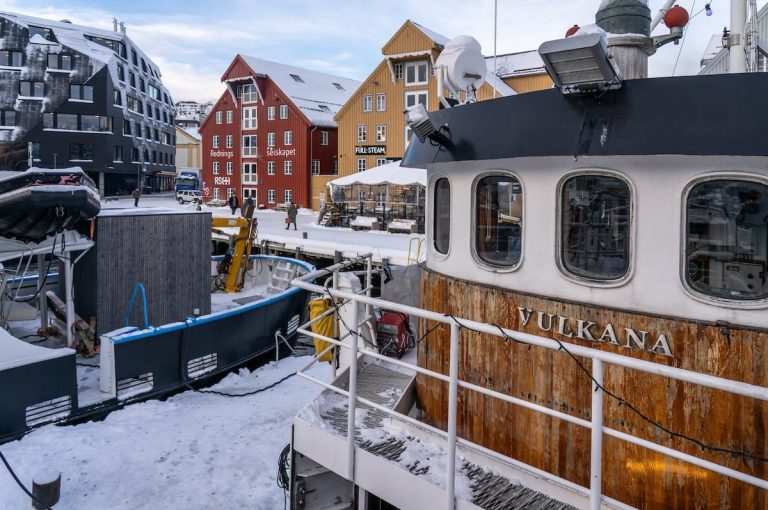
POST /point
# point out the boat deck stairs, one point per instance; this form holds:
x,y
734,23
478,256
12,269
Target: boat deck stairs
x,y
404,464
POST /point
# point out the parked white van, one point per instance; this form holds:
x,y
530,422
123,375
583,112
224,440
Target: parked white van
x,y
189,195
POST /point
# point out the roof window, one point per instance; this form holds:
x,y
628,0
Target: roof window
x,y
297,78
338,86
324,108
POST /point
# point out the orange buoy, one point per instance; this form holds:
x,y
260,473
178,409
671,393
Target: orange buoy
x,y
572,30
676,17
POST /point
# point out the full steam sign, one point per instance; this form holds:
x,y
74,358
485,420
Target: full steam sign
x,y
370,150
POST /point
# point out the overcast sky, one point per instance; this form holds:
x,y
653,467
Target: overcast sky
x,y
194,41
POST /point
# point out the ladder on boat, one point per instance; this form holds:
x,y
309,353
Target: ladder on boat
x,y
282,274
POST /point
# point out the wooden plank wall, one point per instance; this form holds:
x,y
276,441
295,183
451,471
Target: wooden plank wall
x,y
631,474
168,253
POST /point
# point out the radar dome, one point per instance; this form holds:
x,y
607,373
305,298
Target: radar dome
x,y
464,63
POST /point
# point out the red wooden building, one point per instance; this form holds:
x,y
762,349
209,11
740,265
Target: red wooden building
x,y
270,131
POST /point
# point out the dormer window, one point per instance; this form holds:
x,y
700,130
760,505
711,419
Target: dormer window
x,y
324,108
338,86
416,73
45,33
297,78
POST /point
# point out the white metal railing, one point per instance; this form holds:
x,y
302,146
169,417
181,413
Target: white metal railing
x,y
599,360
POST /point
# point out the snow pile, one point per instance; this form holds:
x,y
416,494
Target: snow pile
x,y
193,451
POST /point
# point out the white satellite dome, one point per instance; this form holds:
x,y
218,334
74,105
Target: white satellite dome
x,y
463,60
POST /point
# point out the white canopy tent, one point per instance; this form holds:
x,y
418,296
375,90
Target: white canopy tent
x,y
391,173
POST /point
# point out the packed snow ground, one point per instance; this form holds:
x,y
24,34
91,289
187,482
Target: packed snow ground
x,y
192,451
323,240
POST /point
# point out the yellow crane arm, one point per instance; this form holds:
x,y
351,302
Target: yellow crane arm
x,y
235,267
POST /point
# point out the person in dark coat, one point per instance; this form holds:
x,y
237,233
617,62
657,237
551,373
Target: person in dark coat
x,y
292,212
136,196
233,203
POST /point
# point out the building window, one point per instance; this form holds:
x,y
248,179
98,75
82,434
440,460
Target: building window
x,y
229,141
230,192
80,152
297,78
725,239
416,73
271,139
270,113
283,111
126,127
81,93
418,96
215,168
288,196
498,220
154,92
66,121
134,104
381,102
142,87
215,142
338,86
398,71
218,117
7,118
11,58
216,193
250,176
381,161
323,137
381,133
362,133
315,167
249,118
367,103
156,134
442,221
31,88
229,117
58,61
230,168
362,164
95,123
249,145
249,94
271,195
270,168
134,58
120,73
135,155
131,79
117,98
167,138
335,167
287,137
594,227
287,167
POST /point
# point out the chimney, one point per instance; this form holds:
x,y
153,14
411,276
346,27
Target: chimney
x,y
122,27
114,24
628,24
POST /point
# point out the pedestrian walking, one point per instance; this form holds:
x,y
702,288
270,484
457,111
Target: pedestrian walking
x,y
292,212
136,196
233,203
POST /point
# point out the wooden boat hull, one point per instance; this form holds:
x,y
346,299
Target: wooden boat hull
x,y
631,474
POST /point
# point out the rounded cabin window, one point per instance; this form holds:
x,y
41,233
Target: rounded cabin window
x,y
442,209
725,239
594,231
498,220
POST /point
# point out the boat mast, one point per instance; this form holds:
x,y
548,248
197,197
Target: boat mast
x,y
737,62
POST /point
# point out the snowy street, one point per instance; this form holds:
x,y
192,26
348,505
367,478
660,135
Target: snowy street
x,y
193,451
319,239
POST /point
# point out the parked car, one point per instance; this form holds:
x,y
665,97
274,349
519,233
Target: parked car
x,y
189,195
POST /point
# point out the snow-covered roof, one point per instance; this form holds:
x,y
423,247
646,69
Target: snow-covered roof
x,y
390,173
438,38
316,94
714,47
517,64
193,132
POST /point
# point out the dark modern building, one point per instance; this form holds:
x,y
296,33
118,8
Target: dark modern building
x,y
77,96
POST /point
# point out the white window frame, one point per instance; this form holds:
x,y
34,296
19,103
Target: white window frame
x,y
250,151
381,133
249,93
283,111
315,167
324,137
271,195
230,167
218,117
362,133
381,161
398,68
362,164
381,102
270,113
230,118
271,139
230,192
250,120
415,66
287,195
216,193
368,103
416,94
271,167
250,174
287,137
215,168
287,167
215,142
229,141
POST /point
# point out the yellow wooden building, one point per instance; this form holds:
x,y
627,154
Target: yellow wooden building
x,y
372,128
188,148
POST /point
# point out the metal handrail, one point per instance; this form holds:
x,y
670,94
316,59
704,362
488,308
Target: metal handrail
x,y
600,358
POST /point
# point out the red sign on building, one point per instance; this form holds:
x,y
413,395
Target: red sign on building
x,y
270,131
